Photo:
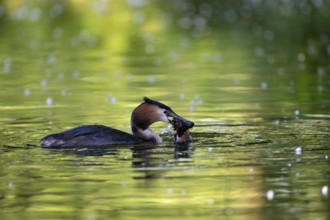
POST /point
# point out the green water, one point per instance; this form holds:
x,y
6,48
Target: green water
x,y
254,76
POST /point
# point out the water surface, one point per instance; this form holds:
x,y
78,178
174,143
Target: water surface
x,y
257,90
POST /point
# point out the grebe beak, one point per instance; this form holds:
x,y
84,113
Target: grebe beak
x,y
188,124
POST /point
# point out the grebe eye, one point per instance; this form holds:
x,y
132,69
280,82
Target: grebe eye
x,y
165,112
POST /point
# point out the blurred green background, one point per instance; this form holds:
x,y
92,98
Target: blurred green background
x,y
219,51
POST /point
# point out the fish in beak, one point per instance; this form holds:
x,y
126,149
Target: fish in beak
x,y
181,130
178,121
181,127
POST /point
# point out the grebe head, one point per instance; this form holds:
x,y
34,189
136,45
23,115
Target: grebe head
x,y
151,111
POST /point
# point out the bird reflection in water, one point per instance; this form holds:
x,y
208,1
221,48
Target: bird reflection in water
x,y
150,160
153,163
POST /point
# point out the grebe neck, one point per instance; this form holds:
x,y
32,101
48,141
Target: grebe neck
x,y
145,115
147,134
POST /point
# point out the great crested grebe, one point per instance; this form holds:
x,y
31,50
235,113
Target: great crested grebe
x,y
143,116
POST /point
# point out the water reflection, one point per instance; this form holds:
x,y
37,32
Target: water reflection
x,y
156,162
221,172
150,161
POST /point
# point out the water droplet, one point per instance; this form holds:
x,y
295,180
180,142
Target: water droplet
x,y
33,44
311,49
185,43
210,149
149,49
152,79
280,71
301,57
296,112
27,92
217,58
75,74
136,3
51,59
20,13
91,217
318,3
259,51
230,16
320,71
206,9
191,108
49,101
7,65
269,35
56,10
57,32
200,22
100,7
210,201
237,82
60,76
64,92
270,195
270,59
183,192
123,184
43,83
129,77
264,85
48,72
325,190
35,14
169,191
113,100
298,150
229,211
110,98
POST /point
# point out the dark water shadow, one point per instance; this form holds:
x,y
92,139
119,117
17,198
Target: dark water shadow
x,y
148,161
154,163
